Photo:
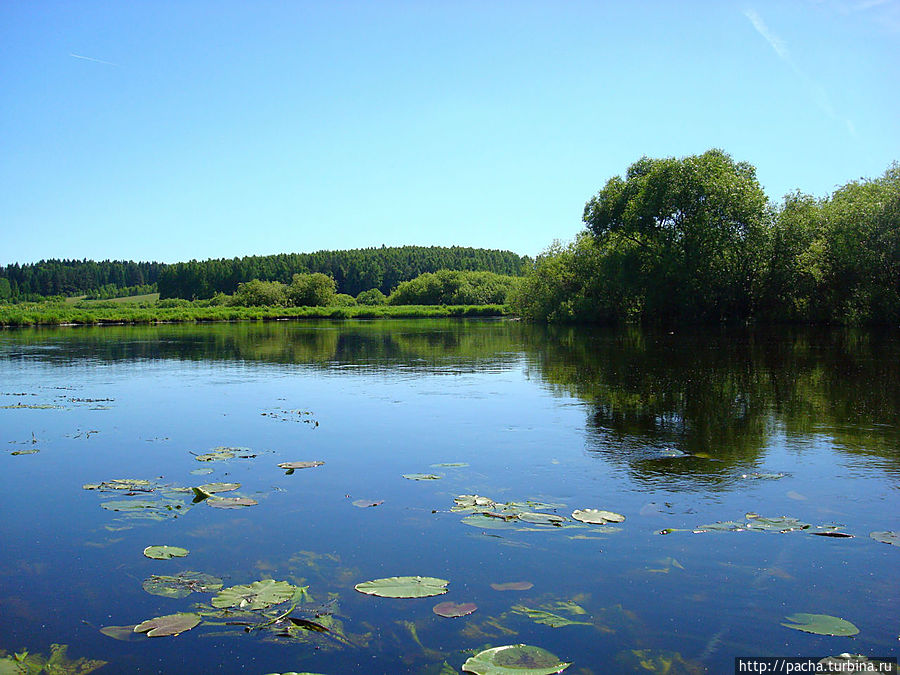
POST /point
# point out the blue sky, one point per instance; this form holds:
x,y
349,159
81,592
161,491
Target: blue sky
x,y
167,131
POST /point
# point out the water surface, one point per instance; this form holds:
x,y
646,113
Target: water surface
x,y
672,430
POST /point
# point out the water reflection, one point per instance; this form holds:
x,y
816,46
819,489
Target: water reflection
x,y
705,403
701,404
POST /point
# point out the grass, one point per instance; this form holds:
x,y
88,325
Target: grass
x,y
112,311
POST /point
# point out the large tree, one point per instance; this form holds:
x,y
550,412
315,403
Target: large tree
x,y
695,225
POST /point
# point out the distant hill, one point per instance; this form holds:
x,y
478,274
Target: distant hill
x,y
353,270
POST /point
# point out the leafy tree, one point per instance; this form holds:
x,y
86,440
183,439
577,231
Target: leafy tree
x,y
343,300
861,258
373,296
311,290
697,224
453,287
260,293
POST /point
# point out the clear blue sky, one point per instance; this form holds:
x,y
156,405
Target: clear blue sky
x,y
167,131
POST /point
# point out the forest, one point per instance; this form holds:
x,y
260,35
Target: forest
x,y
352,270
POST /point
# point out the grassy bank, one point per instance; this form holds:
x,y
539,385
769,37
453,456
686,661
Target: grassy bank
x,y
55,314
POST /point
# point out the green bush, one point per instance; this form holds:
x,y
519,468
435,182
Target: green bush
x,y
373,296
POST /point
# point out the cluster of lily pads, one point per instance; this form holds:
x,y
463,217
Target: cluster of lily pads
x,y
486,513
152,500
783,525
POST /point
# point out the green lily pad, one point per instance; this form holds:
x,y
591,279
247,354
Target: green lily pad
x,y
597,516
821,624
514,660
201,472
404,587
452,610
213,488
491,521
547,618
300,465
216,455
230,502
720,526
886,537
165,552
258,595
421,476
365,503
182,584
541,518
779,524
127,484
473,502
171,624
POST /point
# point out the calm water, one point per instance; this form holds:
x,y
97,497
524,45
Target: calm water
x,y
670,430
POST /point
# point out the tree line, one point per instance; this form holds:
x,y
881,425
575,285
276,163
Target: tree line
x,y
352,270
696,239
74,277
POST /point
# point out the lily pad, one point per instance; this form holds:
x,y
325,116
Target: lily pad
x,y
201,472
886,537
421,476
165,552
404,587
452,610
491,521
821,624
213,488
216,455
122,633
720,526
779,524
300,465
365,503
127,484
597,516
182,584
514,660
541,518
513,586
230,502
258,595
547,618
171,624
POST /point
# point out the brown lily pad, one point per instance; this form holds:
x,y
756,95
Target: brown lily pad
x,y
513,586
230,502
451,610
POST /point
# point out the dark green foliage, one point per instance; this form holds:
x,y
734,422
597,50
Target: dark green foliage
x,y
695,226
373,296
353,271
453,287
74,277
693,239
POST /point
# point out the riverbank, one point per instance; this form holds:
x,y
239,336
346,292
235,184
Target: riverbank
x,y
59,314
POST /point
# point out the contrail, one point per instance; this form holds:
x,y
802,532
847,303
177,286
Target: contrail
x,y
819,95
90,58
